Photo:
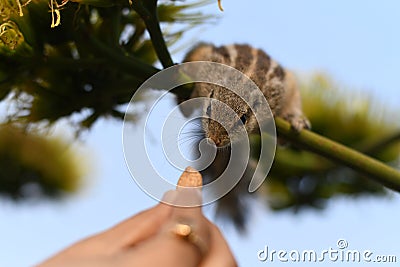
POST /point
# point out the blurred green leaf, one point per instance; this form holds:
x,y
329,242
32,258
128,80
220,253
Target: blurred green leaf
x,y
33,166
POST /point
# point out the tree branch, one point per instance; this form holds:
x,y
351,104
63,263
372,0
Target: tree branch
x,y
357,161
147,9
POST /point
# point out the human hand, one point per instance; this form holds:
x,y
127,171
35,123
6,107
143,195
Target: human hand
x,y
154,237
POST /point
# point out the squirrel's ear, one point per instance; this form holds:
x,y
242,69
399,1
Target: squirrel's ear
x,y
186,110
184,95
200,90
184,107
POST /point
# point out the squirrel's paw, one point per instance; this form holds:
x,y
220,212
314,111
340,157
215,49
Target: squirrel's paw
x,y
298,122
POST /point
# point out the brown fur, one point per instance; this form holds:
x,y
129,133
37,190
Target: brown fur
x,y
277,85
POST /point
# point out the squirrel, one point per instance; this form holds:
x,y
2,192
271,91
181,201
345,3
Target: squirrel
x,y
277,85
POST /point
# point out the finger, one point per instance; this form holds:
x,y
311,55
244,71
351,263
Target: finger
x,y
189,188
183,241
219,253
139,227
189,225
162,250
185,236
148,223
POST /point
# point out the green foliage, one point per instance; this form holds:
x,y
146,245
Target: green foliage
x,y
94,60
33,166
58,61
303,179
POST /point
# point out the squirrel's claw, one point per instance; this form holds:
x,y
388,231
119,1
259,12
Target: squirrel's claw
x,y
298,123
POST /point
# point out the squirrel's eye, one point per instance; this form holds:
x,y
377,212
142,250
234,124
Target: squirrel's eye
x,y
208,112
243,118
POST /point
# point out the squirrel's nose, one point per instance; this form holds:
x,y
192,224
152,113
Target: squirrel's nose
x,y
213,141
217,142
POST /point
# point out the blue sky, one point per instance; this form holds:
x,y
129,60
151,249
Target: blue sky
x,y
356,42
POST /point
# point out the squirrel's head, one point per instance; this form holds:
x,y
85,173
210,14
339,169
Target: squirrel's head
x,y
226,116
